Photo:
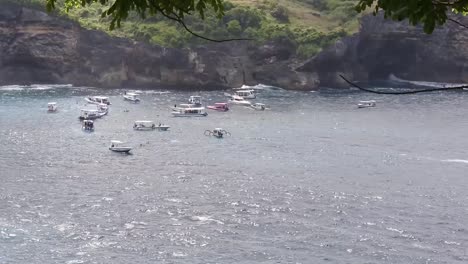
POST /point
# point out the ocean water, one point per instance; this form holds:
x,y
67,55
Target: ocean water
x,y
312,180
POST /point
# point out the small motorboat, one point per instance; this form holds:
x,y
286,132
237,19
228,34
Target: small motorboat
x,y
132,97
195,100
144,125
88,125
365,104
97,100
247,94
258,106
238,100
89,114
162,127
189,111
217,132
117,146
52,107
223,107
103,110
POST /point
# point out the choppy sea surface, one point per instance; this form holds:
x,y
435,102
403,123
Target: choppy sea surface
x,y
312,180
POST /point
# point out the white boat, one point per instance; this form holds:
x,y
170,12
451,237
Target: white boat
x,y
88,125
189,111
162,127
132,97
98,100
52,107
365,104
195,100
144,125
89,114
117,146
103,109
246,94
259,106
239,100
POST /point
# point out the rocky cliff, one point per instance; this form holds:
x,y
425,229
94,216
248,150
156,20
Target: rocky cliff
x,y
383,47
36,47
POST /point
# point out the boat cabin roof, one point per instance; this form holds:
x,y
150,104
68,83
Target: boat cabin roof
x,y
116,142
101,97
217,129
88,121
132,94
220,104
366,102
143,122
52,103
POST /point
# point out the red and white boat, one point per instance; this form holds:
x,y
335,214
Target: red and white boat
x,y
223,107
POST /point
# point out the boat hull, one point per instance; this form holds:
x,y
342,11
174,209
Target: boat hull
x,y
120,149
217,109
132,100
176,114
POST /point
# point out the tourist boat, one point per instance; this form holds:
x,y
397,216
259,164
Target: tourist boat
x,y
217,132
103,109
238,100
189,111
223,107
98,100
117,146
162,127
258,106
89,114
246,94
365,104
52,107
195,100
88,125
144,125
132,97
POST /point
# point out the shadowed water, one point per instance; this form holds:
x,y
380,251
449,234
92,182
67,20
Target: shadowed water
x,y
313,180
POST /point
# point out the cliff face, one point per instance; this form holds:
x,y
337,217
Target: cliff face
x,y
384,47
38,48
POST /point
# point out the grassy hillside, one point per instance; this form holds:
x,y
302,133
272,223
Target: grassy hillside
x,y
309,24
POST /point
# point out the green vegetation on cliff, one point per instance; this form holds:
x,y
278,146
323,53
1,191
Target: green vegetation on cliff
x,y
309,25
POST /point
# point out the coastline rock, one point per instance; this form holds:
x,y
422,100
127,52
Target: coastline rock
x,y
384,47
36,47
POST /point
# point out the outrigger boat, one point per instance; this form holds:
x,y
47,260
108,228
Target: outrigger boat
x,y
52,107
217,132
239,100
247,94
144,125
132,97
89,114
195,100
88,125
116,146
98,100
258,106
189,111
223,107
365,104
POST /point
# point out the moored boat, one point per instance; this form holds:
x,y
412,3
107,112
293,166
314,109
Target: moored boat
x,y
52,107
217,132
189,111
132,97
259,106
223,107
195,100
117,146
88,125
89,114
238,100
247,94
144,125
366,104
98,100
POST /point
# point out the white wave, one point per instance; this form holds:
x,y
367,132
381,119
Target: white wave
x,y
11,88
456,161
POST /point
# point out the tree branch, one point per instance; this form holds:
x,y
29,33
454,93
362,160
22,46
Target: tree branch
x,y
457,22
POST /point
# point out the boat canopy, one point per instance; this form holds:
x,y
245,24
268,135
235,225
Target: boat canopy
x,y
52,103
144,122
